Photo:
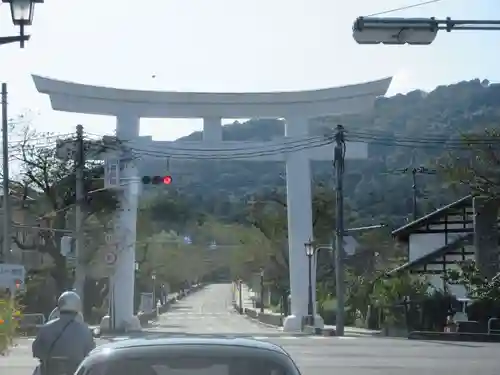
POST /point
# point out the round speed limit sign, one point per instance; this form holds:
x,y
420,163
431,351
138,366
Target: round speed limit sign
x,y
110,258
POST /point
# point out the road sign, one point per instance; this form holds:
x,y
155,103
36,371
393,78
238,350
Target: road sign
x,y
111,173
67,246
110,258
108,238
350,245
213,245
11,274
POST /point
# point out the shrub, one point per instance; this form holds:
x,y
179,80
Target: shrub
x,y
9,321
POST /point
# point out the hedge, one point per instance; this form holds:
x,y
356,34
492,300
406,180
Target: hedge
x,y
9,321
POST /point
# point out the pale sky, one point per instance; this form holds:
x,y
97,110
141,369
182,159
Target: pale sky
x,y
229,45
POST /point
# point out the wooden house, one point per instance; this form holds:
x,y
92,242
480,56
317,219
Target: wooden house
x,y
438,242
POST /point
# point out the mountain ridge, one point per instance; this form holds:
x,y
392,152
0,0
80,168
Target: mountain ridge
x,y
401,132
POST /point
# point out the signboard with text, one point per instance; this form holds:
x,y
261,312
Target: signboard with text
x,y
12,276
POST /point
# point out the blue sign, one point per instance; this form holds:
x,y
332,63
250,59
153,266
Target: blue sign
x,y
187,240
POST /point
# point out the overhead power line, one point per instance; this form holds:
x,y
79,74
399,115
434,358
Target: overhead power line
x,y
416,5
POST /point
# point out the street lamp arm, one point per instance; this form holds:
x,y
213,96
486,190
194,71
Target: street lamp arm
x,y
324,247
14,39
361,229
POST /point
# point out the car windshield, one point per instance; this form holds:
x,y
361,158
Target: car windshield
x,y
196,365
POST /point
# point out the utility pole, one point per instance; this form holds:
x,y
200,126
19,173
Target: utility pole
x,y
414,172
414,190
338,163
80,195
7,220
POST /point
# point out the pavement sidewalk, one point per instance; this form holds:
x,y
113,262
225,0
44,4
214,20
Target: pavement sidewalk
x,y
249,303
248,300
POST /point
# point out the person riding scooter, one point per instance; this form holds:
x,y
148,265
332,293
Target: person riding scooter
x,y
62,343
55,314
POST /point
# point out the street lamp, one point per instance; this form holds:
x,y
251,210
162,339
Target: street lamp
x,y
415,31
310,251
21,12
262,290
240,296
153,277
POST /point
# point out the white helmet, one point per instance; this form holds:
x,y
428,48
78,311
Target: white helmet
x,y
69,302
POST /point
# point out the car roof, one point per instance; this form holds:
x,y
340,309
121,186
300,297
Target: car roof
x,y
183,341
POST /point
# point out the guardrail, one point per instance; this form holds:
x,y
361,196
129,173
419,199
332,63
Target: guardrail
x,y
35,320
494,326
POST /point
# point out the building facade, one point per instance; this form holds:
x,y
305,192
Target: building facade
x,y
439,242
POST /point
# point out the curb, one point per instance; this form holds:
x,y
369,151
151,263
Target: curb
x,y
259,322
326,332
256,320
454,336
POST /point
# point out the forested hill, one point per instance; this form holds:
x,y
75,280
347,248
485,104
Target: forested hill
x,y
403,131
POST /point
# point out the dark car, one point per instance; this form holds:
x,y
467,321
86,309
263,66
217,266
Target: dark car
x,y
188,356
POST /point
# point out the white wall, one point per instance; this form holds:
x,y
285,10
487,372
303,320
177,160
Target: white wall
x,y
421,244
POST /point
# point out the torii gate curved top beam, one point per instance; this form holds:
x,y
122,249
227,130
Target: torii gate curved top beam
x,y
75,97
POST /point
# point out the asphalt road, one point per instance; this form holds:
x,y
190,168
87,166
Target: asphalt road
x,y
209,312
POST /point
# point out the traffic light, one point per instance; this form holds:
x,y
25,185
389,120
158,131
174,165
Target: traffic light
x,y
157,180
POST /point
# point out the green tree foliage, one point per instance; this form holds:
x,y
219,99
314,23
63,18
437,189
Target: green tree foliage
x,y
484,293
477,167
389,293
173,262
267,212
478,287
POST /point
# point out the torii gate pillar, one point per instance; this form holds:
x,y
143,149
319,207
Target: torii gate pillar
x,y
125,223
300,229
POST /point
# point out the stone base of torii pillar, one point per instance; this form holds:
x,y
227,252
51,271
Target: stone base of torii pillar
x,y
294,323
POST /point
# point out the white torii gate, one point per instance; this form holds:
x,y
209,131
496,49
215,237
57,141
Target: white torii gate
x,y
128,106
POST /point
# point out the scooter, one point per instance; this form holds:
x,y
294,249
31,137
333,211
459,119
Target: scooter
x,y
57,366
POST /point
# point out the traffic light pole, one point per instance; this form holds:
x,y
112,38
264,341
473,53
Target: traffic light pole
x,y
339,158
80,195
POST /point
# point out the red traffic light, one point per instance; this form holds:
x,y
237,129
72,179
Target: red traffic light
x,y
157,180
